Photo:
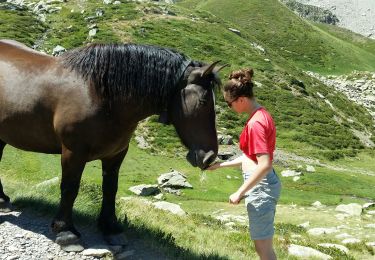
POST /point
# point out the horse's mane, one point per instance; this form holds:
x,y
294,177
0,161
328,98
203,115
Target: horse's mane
x,y
129,70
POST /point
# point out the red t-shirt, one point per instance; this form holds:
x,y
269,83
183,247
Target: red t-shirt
x,y
258,135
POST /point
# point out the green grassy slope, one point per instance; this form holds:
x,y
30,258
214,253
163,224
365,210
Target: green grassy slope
x,y
298,41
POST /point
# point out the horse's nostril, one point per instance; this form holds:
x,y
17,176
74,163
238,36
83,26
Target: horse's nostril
x,y
209,158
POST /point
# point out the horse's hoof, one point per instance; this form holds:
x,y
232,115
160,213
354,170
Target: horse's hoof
x,y
5,206
66,238
116,240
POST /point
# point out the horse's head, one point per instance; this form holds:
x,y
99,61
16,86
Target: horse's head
x,y
192,112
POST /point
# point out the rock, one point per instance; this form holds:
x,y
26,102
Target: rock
x,y
306,252
145,189
310,168
235,31
290,173
229,177
96,252
116,2
296,178
173,179
371,212
305,224
58,50
351,241
171,207
340,247
225,139
321,231
352,209
107,2
317,204
142,143
93,32
160,196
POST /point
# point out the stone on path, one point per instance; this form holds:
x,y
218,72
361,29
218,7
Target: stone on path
x,y
171,207
97,251
306,252
321,231
340,247
174,179
352,209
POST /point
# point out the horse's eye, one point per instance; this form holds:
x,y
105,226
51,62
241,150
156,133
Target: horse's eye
x,y
202,102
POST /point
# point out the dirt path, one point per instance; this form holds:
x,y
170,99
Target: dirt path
x,y
25,235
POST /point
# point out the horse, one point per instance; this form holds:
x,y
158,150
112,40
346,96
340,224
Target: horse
x,y
86,104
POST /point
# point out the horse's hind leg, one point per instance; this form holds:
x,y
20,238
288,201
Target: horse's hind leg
x,y
107,222
4,199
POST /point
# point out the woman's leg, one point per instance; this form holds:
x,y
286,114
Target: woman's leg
x,y
264,249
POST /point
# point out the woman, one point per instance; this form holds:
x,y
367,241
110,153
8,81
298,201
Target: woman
x,y
261,187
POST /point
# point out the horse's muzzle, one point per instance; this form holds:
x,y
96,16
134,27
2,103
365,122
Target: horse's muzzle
x,y
200,158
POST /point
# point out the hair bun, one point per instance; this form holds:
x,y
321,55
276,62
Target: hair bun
x,y
244,75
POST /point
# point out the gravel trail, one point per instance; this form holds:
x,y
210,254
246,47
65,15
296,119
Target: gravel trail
x,y
25,235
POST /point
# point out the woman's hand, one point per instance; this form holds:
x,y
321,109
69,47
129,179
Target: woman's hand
x,y
235,198
213,166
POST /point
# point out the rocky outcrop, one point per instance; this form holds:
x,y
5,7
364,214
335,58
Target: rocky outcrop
x,y
357,16
310,12
357,86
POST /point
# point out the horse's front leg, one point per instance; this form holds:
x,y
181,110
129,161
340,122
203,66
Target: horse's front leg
x,y
107,222
72,164
4,199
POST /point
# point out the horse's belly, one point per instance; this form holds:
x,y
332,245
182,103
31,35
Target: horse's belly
x,y
30,134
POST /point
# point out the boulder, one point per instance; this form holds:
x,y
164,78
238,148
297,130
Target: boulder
x,y
310,168
174,179
352,209
306,252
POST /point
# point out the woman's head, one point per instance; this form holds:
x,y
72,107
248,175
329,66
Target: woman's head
x,y
239,84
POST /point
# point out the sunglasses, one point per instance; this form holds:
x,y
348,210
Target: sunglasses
x,y
229,103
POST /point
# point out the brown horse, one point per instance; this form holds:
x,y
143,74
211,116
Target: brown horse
x,y
86,104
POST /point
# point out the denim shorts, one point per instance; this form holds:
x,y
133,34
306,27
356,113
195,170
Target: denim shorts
x,y
261,203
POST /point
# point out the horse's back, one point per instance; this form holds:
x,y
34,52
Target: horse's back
x,y
26,102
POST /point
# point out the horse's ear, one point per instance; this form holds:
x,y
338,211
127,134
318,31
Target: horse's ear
x,y
163,118
209,69
221,67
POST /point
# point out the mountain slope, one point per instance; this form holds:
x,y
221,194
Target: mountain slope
x,y
279,29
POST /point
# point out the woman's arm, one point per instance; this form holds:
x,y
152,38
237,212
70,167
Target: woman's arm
x,y
232,163
264,167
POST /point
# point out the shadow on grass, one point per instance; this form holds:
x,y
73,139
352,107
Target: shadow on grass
x,y
157,240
